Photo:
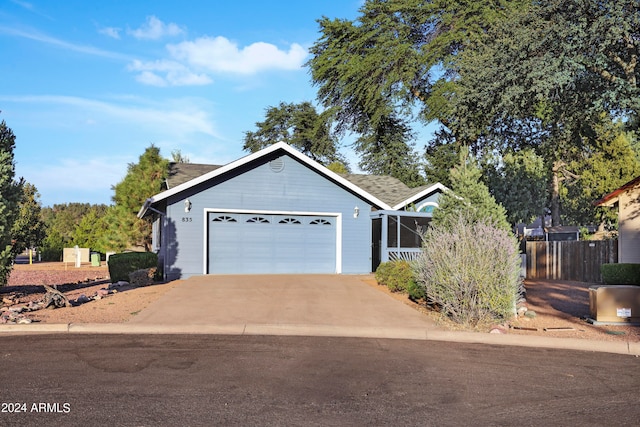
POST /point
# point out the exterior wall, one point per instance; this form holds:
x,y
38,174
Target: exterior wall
x,y
629,226
296,188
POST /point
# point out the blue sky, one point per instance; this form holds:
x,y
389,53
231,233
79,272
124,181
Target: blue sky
x,y
87,86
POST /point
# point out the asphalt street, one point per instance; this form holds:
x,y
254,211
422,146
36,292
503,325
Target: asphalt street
x,y
158,380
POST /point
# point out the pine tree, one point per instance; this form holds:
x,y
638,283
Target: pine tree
x,y
143,180
469,196
10,198
29,227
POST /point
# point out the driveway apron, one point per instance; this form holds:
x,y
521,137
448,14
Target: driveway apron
x,y
311,300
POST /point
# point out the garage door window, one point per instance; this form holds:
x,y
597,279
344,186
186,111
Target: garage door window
x,y
259,220
224,218
289,221
320,222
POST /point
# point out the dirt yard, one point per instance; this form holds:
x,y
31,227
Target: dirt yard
x,y
556,304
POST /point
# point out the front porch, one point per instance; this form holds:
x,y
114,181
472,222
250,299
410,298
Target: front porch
x,y
397,235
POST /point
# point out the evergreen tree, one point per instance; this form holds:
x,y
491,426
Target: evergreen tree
x,y
385,151
89,230
10,197
469,197
519,182
29,228
143,180
609,163
300,126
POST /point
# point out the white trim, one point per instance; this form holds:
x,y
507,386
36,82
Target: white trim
x,y
258,154
337,215
420,195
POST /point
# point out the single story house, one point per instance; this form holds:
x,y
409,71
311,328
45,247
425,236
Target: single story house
x,y
278,211
627,200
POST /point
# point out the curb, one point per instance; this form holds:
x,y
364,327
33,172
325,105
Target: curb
x,y
616,347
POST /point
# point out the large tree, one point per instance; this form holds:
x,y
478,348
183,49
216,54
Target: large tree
x,y
554,70
300,126
10,197
143,180
610,164
396,63
518,180
384,151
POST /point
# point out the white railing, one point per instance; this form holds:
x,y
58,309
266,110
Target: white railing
x,y
405,254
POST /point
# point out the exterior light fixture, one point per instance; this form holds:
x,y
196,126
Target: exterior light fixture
x,y
187,205
356,212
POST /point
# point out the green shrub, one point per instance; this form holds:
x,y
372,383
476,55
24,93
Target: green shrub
x,y
401,276
383,273
398,277
415,291
470,270
121,265
620,274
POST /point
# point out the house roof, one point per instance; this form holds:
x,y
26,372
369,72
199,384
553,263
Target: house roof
x,y
384,192
612,197
179,173
391,190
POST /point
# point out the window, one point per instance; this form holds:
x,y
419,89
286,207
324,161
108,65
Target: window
x,y
320,222
258,220
427,207
289,221
224,218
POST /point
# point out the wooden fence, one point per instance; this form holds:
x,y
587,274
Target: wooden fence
x,y
572,260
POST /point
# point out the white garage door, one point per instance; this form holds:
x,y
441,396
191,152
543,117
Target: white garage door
x,y
242,243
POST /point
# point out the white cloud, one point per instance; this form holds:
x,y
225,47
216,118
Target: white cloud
x,y
155,29
192,62
219,54
112,32
175,74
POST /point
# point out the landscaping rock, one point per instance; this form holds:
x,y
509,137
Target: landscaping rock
x,y
55,299
82,299
530,314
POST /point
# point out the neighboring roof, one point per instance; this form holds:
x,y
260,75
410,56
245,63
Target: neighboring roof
x,y
612,197
179,173
562,229
370,187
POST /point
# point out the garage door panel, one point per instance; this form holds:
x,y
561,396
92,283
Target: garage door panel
x,y
257,243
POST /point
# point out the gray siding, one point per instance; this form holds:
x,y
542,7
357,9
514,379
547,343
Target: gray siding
x,y
258,188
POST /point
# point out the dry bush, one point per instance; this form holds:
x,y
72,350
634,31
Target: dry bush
x,y
471,270
142,277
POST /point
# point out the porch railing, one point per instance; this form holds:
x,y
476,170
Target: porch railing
x,y
405,254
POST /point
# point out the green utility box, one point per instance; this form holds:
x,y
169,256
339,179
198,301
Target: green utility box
x,y
95,259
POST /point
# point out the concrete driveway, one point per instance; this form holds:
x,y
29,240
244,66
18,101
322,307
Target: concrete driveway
x,y
293,302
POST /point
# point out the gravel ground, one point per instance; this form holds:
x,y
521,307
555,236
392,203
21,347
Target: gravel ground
x,y
557,304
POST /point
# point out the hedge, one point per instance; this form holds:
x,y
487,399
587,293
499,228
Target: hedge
x,y
620,274
121,265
